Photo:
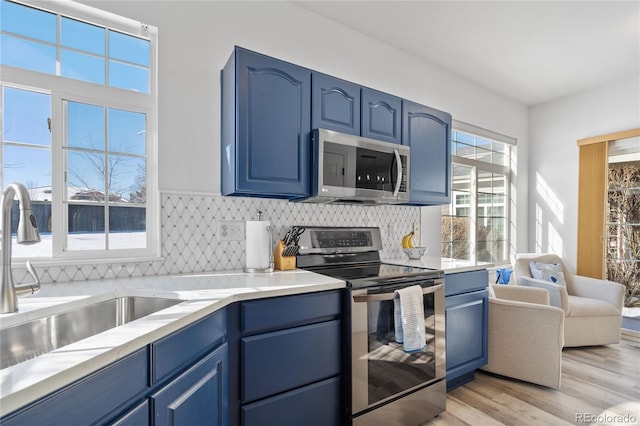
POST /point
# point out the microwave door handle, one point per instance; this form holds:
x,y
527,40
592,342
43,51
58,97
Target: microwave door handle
x,y
389,296
398,174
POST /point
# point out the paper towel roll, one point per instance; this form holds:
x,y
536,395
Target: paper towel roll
x,y
258,247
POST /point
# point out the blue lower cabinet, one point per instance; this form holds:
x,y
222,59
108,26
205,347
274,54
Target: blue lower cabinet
x,y
94,399
228,368
466,328
180,379
196,397
286,360
313,405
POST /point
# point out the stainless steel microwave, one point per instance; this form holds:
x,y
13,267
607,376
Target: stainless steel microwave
x,y
351,169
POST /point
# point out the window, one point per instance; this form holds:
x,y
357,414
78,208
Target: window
x,y
78,128
475,226
623,217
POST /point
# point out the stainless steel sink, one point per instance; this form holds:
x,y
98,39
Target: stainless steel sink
x,y
28,340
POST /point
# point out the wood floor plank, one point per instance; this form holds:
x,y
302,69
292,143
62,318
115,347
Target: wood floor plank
x,y
561,405
528,414
596,381
468,414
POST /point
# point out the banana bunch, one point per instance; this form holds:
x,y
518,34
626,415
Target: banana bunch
x,y
407,240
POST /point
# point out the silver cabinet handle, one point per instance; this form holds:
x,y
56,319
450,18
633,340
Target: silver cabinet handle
x,y
399,174
389,296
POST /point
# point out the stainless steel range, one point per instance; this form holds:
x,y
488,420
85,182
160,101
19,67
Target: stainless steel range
x,y
386,385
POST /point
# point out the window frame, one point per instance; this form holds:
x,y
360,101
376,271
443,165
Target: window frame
x,y
61,89
477,167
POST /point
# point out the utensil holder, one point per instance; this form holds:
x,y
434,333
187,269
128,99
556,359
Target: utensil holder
x,y
282,262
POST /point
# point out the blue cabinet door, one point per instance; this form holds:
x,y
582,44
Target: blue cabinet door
x,y
466,329
198,396
381,116
428,132
266,127
335,104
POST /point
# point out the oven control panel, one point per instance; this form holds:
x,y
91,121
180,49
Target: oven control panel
x,y
328,240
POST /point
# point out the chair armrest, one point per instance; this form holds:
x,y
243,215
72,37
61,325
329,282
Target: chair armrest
x,y
527,323
608,291
557,293
521,293
525,341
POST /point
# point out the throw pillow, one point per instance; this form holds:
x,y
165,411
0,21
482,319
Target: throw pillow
x,y
551,272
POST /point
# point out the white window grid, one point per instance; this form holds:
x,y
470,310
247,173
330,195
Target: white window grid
x,y
469,204
63,89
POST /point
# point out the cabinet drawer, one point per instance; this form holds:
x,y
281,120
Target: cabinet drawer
x,y
283,360
289,311
91,399
183,347
464,282
314,405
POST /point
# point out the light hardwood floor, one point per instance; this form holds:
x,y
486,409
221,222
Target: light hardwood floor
x,y
600,385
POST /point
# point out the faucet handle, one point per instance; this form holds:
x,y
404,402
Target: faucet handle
x,y
33,286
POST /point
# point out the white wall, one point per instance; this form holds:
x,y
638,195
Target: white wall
x,y
553,162
196,39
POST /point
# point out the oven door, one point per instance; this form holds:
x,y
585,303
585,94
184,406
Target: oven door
x,y
380,369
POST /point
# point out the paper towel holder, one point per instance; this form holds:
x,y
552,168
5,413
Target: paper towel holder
x,y
270,268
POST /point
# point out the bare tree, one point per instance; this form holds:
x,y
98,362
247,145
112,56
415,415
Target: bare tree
x,y
623,229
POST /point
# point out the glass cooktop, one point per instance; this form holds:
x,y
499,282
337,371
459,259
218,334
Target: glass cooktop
x,y
375,273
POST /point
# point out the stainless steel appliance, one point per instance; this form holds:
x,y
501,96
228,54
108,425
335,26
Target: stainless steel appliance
x,y
354,169
385,385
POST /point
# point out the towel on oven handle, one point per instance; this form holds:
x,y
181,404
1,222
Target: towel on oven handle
x,y
409,319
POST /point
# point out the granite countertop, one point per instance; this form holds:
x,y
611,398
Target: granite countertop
x,y
203,294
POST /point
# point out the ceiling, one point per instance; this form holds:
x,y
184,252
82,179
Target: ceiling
x,y
529,51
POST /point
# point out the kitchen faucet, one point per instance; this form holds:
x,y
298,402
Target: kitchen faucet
x,y
27,234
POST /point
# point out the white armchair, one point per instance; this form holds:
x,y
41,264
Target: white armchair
x,y
526,335
592,307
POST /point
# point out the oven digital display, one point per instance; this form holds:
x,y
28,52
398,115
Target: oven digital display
x,y
341,238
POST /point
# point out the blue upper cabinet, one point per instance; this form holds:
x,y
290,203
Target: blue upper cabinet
x,y
428,132
381,116
266,127
335,104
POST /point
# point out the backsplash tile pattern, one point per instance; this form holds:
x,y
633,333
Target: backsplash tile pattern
x,y
189,234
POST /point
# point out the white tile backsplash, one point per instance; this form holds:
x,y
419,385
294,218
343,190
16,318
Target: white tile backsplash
x,y
189,226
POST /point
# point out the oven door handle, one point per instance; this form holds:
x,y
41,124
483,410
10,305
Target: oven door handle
x,y
389,296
